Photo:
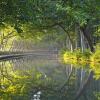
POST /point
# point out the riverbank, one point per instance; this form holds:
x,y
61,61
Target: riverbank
x,y
86,60
81,57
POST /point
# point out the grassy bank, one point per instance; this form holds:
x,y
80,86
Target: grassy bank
x,y
82,57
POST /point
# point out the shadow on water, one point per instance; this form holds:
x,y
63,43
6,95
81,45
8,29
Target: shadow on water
x,y
45,78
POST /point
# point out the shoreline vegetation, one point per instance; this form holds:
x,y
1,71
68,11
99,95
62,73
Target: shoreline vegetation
x,y
77,56
84,60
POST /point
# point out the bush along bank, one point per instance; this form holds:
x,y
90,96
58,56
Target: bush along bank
x,y
82,57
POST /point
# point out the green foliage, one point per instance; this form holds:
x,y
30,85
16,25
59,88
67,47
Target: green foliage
x,y
95,66
97,95
96,56
77,55
31,17
18,85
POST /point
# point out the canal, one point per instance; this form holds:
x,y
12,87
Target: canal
x,y
45,77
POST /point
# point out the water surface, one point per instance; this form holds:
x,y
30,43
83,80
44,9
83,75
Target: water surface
x,y
46,78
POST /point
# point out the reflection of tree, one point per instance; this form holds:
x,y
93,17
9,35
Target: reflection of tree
x,y
19,81
69,76
96,68
85,84
22,84
14,85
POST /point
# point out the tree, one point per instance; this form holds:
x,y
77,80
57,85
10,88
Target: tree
x,y
50,14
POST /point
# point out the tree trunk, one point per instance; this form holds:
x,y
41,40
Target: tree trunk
x,y
87,35
71,42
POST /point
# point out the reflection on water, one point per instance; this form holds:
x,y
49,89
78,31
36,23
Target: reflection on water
x,y
47,79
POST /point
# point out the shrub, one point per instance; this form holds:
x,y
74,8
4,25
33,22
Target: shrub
x,y
96,56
